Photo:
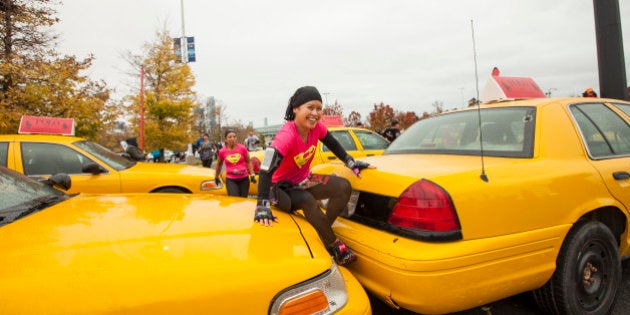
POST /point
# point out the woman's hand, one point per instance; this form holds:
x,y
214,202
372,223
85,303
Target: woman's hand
x,y
357,166
263,213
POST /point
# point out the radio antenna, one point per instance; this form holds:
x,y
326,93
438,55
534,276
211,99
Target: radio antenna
x,y
483,175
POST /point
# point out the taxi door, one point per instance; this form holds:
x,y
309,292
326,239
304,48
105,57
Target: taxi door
x,y
615,165
606,135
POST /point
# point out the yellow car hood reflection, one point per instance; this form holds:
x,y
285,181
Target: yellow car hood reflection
x,y
138,253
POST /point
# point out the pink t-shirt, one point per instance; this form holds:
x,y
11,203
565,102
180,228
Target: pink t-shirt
x,y
234,161
297,155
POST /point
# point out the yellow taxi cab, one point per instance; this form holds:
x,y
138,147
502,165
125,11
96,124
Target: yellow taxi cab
x,y
358,142
160,254
94,168
472,206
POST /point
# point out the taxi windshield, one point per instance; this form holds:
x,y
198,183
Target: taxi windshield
x,y
20,196
108,157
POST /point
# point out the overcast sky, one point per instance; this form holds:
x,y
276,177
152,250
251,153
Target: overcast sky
x,y
252,54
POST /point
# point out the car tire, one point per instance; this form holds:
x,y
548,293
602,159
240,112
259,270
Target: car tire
x,y
588,273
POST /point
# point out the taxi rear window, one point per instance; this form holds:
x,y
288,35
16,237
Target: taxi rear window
x,y
505,132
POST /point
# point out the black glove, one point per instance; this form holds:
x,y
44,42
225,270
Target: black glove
x,y
356,166
217,181
252,178
263,211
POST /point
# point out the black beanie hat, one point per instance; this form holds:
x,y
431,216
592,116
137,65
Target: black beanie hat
x,y
302,95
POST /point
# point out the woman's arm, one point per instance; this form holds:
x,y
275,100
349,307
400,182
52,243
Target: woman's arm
x,y
335,147
217,170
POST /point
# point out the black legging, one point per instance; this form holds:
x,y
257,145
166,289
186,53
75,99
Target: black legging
x,y
237,187
206,163
336,189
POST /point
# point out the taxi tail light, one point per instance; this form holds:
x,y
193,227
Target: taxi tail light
x,y
425,206
308,303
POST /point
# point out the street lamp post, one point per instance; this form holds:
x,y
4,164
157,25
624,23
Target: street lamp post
x,y
141,133
184,45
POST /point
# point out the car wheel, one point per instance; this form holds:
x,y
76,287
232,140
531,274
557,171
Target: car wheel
x,y
587,275
172,190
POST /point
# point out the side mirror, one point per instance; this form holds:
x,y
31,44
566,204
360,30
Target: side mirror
x,y
60,180
92,168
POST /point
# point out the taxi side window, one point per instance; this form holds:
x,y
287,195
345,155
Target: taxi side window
x,y
345,139
4,153
605,133
49,159
371,141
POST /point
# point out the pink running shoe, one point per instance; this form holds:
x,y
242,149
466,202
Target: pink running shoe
x,y
342,254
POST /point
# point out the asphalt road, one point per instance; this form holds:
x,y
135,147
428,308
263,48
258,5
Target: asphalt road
x,y
519,304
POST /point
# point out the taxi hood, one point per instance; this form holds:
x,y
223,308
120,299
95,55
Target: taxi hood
x,y
165,223
144,246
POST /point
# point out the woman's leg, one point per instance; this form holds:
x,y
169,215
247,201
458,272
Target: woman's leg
x,y
237,187
334,188
337,190
303,199
232,187
243,187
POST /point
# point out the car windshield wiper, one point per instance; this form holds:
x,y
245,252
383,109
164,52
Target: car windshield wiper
x,y
19,211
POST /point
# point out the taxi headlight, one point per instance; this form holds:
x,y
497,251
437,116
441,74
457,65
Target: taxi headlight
x,y
208,185
324,294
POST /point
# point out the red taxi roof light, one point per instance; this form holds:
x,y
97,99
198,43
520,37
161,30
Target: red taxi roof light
x,y
425,206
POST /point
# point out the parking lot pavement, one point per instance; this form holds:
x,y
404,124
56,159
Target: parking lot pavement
x,y
519,304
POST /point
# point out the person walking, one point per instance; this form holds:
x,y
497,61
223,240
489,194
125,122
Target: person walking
x,y
237,166
206,151
392,132
286,181
252,142
198,143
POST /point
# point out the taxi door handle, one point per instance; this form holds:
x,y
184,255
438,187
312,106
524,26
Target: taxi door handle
x,y
332,157
621,175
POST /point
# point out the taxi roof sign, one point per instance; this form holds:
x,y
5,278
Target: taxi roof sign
x,y
332,120
500,88
46,125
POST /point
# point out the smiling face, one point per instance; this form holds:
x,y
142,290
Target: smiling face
x,y
230,139
307,114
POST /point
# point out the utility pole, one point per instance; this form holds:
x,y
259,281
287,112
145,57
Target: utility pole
x,y
184,45
326,96
141,140
610,55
